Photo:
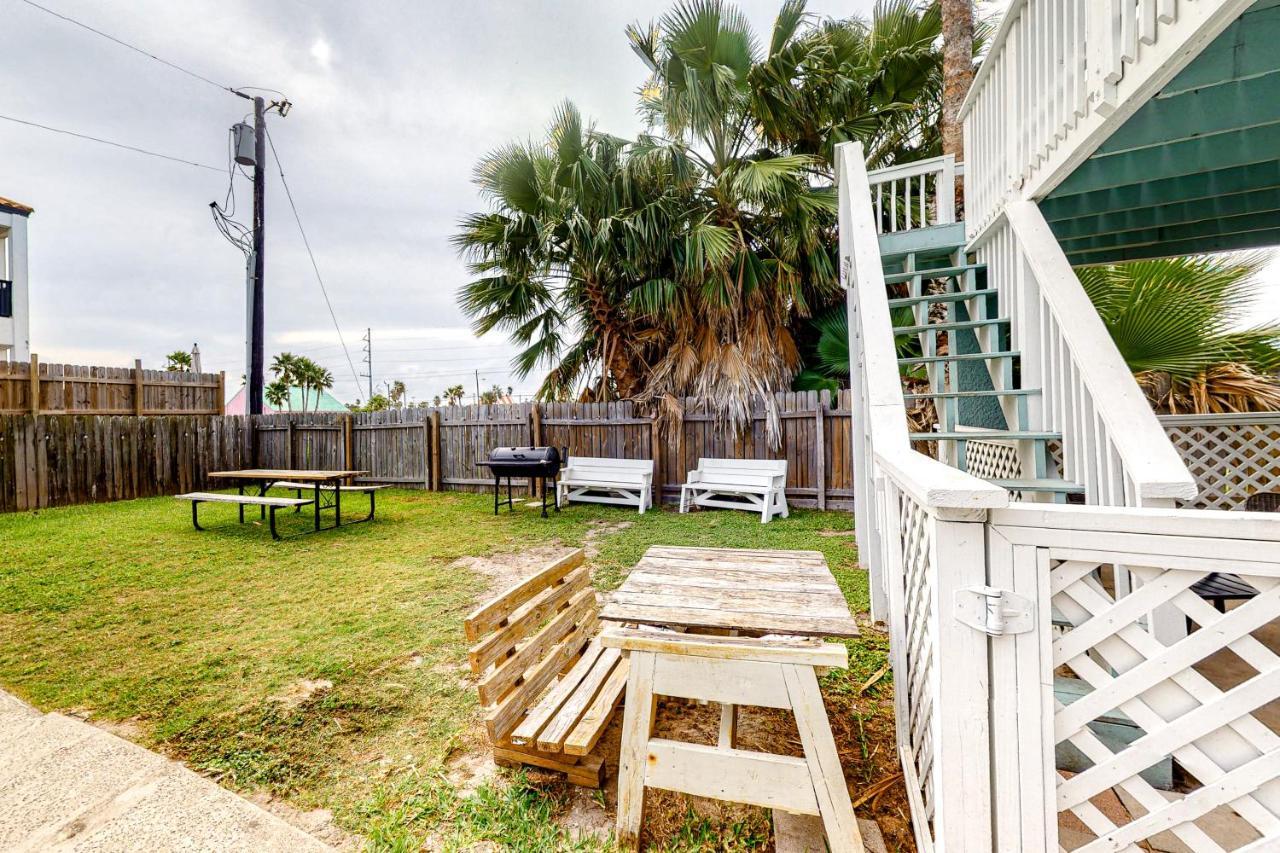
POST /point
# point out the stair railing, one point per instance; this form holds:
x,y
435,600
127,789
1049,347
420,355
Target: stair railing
x,y
915,195
1112,442
1060,77
920,528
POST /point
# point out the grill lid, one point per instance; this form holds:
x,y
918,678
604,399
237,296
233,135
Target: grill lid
x,y
517,456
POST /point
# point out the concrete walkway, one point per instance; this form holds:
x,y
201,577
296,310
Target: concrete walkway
x,y
68,786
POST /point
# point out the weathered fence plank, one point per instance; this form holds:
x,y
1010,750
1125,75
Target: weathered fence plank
x,y
35,388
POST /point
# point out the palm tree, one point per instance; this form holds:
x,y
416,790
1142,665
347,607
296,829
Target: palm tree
x,y
395,393
957,70
285,368
321,380
454,394
675,265
178,361
276,393
1176,322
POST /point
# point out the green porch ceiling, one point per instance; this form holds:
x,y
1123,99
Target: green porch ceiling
x,y
1196,169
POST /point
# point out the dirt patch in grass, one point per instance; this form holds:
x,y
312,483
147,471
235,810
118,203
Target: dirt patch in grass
x,y
505,569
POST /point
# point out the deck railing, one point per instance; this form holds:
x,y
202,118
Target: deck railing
x,y
915,195
988,603
1059,77
920,535
1112,443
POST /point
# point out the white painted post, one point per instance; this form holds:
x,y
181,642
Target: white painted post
x,y
961,761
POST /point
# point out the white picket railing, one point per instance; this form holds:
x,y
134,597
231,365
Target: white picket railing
x,y
915,195
988,602
1112,443
920,535
1061,76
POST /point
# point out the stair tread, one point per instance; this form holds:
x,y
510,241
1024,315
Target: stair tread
x,y
950,296
986,435
1011,392
936,272
965,356
950,326
1040,485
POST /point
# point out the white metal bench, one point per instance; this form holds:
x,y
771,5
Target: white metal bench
x,y
758,485
308,488
269,503
628,482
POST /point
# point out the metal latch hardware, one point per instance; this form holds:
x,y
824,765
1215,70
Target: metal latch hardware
x,y
996,612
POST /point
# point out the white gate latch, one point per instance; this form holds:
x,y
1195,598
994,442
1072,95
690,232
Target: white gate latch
x,y
993,611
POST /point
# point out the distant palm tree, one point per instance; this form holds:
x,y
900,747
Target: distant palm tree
x,y
276,394
178,361
1176,322
396,394
285,368
454,394
320,379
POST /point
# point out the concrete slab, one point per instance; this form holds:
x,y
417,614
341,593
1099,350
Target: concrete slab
x,y
66,785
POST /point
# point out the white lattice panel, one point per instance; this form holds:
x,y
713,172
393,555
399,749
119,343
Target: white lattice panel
x,y
1205,714
1230,458
993,460
915,686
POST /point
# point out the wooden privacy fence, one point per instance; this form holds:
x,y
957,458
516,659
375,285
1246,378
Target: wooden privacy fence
x,y
55,389
439,448
61,460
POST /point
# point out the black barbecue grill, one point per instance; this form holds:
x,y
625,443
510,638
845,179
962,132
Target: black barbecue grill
x,y
531,463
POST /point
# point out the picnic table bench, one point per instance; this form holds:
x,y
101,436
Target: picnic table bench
x,y
268,504
596,479
320,482
367,488
750,484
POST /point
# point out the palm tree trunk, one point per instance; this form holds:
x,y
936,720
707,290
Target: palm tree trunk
x,y
957,71
614,359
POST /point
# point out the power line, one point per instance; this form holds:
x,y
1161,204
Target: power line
x,y
307,243
134,48
109,142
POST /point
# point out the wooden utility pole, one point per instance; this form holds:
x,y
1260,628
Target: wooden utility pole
x,y
258,317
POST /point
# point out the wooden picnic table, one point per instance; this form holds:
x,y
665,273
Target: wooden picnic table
x,y
755,591
265,478
673,613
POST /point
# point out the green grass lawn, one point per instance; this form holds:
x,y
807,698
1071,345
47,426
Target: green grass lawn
x,y
198,642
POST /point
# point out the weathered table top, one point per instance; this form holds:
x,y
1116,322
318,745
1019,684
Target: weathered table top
x,y
304,476
767,592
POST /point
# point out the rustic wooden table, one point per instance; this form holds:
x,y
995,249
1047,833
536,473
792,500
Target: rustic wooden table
x,y
750,591
266,477
711,595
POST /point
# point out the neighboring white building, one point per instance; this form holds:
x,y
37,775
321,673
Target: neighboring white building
x,y
15,326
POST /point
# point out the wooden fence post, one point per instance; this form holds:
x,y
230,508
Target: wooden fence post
x,y
426,454
34,379
288,444
435,450
222,393
137,387
347,444
820,448
655,453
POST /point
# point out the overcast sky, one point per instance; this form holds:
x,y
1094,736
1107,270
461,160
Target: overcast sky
x,y
393,105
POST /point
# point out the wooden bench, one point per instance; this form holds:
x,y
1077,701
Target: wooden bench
x,y
547,685
595,479
758,485
271,505
369,489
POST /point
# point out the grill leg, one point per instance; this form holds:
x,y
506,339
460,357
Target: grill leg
x,y
544,498
555,487
511,507
497,484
